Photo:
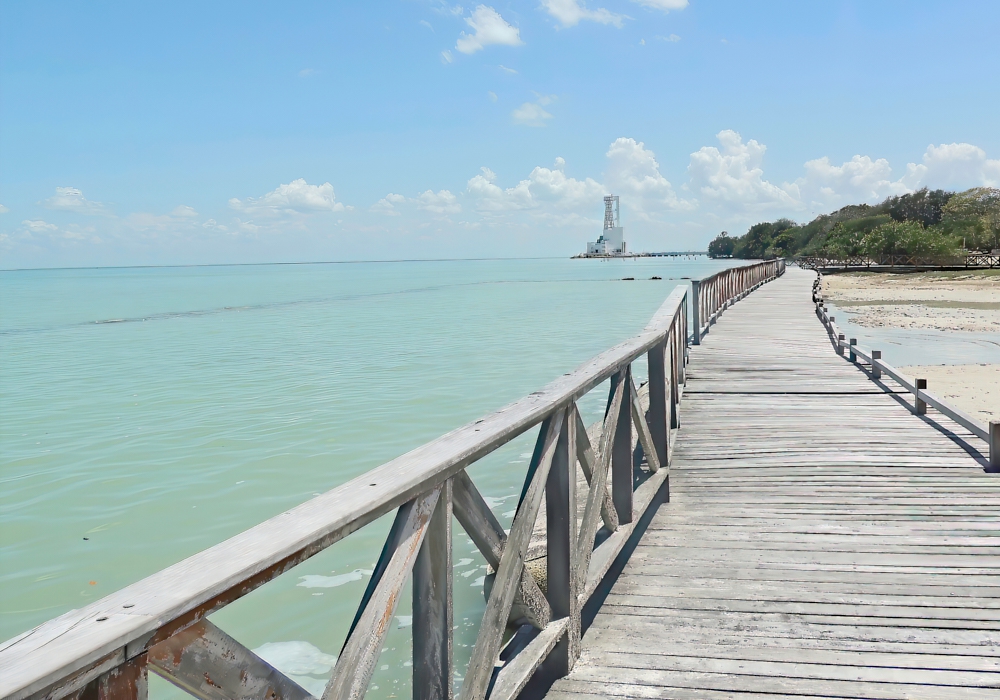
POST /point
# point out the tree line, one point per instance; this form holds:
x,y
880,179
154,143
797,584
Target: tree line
x,y
926,223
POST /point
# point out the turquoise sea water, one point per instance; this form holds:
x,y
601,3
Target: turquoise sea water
x,y
146,414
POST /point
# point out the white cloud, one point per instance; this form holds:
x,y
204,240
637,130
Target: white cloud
x,y
547,190
441,203
446,56
860,179
489,93
297,197
505,69
490,197
387,205
530,114
214,225
490,28
72,199
444,8
733,176
634,173
665,5
306,72
673,38
184,212
953,166
38,226
571,12
427,24
3,209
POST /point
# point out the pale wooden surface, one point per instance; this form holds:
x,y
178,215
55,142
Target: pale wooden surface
x,y
820,540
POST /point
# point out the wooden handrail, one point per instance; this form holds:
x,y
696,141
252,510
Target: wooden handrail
x,y
713,295
159,623
922,398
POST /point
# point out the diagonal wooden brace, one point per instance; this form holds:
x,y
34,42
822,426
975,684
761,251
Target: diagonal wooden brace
x,y
207,663
484,529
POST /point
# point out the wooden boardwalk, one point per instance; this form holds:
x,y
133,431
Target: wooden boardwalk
x,y
820,539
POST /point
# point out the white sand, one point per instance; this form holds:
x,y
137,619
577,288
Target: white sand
x,y
974,389
947,301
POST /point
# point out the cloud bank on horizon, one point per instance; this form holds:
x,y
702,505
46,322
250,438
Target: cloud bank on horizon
x,y
725,185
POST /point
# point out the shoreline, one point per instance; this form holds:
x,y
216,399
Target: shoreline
x,y
952,322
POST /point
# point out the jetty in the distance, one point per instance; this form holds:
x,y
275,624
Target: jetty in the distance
x,y
776,512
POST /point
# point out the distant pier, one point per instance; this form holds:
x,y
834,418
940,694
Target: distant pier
x,y
671,254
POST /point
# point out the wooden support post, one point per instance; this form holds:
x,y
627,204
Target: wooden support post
x,y
561,551
676,369
853,357
433,613
840,348
994,446
207,663
359,656
656,359
919,405
876,367
130,681
621,450
695,310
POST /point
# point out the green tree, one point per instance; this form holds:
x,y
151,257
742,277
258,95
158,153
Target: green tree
x,y
974,215
722,246
923,206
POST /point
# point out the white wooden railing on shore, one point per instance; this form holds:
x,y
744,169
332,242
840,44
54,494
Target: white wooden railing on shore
x,y
106,649
713,295
918,387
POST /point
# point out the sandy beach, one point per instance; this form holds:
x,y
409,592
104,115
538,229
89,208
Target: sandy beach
x,y
974,389
946,301
954,302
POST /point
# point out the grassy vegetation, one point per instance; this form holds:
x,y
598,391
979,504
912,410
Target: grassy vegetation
x,y
926,223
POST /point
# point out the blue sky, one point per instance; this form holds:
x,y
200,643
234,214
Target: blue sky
x,y
254,132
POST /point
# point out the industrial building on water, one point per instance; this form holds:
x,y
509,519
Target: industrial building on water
x,y
612,240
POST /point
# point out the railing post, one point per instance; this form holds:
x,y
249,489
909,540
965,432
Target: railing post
x,y
621,452
696,310
840,339
994,446
433,610
561,533
656,359
130,681
876,367
853,357
919,405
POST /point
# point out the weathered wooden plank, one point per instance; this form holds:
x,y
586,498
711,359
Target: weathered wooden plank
x,y
589,528
433,610
489,537
650,449
516,673
207,663
621,448
588,463
561,554
357,660
480,671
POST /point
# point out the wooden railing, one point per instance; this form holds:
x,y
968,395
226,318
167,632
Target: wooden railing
x,y
105,650
918,387
713,295
864,262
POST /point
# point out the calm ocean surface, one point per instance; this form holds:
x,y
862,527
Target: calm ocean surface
x,y
147,414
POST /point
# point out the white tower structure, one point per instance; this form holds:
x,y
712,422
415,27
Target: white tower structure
x,y
612,240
